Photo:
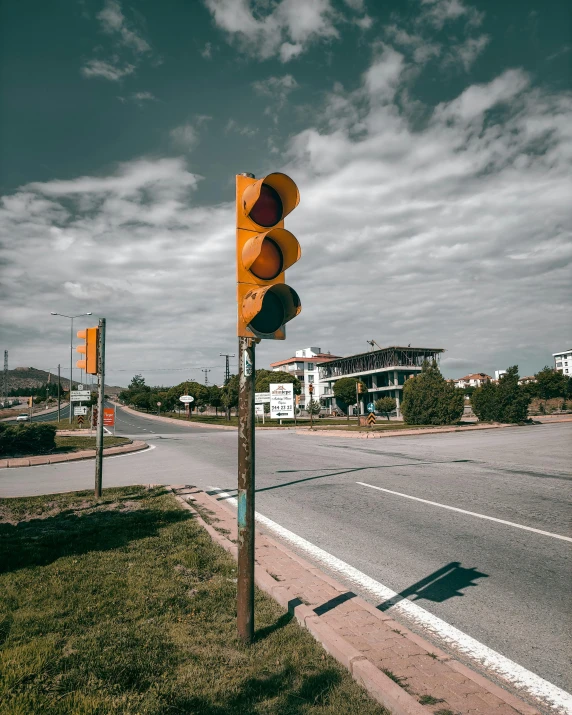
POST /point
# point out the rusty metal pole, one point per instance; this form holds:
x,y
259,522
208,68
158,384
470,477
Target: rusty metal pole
x,y
100,406
246,486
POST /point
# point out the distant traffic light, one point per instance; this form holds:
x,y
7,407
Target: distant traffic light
x,y
89,349
264,250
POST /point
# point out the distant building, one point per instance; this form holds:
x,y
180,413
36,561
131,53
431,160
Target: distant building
x,y
563,361
304,365
499,374
526,380
475,380
384,372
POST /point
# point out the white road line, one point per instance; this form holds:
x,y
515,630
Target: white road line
x,y
551,695
470,513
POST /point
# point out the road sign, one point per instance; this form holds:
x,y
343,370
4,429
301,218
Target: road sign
x,y
80,410
281,400
370,407
80,387
371,419
108,416
158,404
80,420
260,397
259,410
186,398
80,395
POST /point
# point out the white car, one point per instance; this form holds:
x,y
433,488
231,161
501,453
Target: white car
x,y
23,418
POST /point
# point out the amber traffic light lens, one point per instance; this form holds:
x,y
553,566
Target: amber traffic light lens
x,y
271,316
267,211
269,263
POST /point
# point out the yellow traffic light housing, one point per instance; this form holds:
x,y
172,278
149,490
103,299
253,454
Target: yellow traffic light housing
x,y
89,349
264,250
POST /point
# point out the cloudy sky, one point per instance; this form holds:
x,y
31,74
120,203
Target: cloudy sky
x,y
431,141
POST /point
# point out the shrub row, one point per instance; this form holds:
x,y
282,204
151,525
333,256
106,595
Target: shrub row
x,y
27,439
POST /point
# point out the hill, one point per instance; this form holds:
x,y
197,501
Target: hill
x,y
30,377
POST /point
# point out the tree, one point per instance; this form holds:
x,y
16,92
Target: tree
x,y
263,378
385,405
313,407
229,394
215,397
345,392
504,401
428,399
550,383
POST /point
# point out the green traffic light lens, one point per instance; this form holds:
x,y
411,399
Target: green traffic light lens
x,y
271,315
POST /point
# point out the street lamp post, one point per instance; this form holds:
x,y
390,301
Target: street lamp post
x,y
71,317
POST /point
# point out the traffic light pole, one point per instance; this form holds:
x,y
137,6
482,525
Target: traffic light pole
x,y
100,396
246,487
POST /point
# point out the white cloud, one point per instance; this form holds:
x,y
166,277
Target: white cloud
x,y
207,51
113,23
185,136
468,51
384,75
108,70
243,129
285,31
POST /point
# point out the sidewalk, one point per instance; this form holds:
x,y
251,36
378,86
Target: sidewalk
x,y
135,446
402,671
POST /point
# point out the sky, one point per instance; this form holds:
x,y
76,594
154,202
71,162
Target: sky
x,y
431,141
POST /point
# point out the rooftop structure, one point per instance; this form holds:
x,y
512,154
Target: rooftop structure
x,y
304,366
563,361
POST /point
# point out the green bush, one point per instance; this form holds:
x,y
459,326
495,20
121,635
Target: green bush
x,y
504,401
27,439
428,399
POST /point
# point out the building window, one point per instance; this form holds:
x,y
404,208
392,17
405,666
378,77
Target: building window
x,y
310,366
311,378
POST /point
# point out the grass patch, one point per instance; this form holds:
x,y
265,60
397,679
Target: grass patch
x,y
400,680
429,700
75,444
125,605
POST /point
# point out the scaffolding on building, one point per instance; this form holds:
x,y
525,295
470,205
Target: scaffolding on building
x,y
384,359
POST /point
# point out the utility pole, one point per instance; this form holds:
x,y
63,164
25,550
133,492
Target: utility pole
x,y
227,368
5,384
59,394
205,370
101,388
246,487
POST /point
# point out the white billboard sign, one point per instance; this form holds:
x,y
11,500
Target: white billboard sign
x,y
259,410
186,398
260,397
80,410
281,401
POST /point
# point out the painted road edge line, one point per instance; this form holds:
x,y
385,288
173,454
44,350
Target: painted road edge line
x,y
551,695
470,513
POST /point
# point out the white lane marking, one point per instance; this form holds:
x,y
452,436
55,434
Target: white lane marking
x,y
470,513
494,662
133,454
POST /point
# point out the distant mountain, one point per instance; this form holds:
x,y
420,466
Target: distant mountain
x,y
24,377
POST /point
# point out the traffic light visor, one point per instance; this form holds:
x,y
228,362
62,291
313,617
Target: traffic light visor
x,y
269,254
270,199
267,309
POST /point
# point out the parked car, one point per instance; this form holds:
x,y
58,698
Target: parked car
x,y
23,418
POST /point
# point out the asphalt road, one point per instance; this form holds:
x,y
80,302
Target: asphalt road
x,y
505,586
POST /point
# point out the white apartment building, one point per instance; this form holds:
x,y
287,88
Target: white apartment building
x,y
304,365
475,380
563,361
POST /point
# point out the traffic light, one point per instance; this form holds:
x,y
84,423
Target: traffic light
x,y
264,250
89,349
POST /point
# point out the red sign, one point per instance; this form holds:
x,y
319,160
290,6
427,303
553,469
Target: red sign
x,y
108,416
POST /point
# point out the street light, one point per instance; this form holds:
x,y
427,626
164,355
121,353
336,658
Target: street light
x,y
71,317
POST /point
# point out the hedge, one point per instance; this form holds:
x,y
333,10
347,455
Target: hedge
x,y
27,439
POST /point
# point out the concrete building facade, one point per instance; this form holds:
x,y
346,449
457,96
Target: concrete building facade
x,y
384,372
305,365
474,380
563,361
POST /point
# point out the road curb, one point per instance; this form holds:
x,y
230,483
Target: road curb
x,y
381,687
135,446
398,433
172,420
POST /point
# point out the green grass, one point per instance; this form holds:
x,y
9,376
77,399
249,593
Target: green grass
x,y
125,605
74,444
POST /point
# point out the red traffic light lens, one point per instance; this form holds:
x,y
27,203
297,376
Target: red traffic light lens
x,y
267,211
271,315
269,262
